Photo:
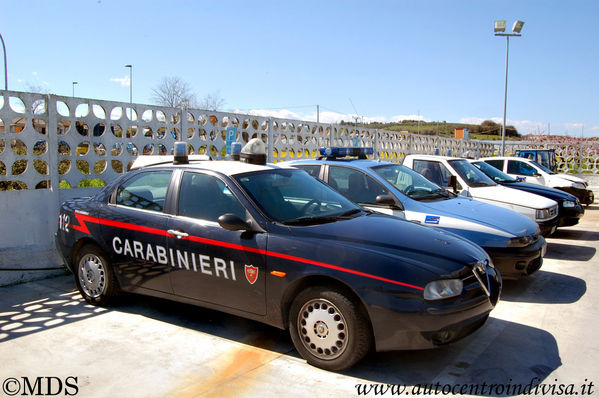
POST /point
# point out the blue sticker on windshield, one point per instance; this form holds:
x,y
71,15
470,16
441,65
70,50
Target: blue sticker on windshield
x,y
521,179
432,220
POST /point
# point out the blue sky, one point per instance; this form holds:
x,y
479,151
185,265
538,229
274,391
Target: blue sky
x,y
434,60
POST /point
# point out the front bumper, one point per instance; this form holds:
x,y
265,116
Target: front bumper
x,y
569,216
515,262
549,227
414,324
586,196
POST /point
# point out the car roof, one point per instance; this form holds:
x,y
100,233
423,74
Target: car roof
x,y
226,167
503,158
432,157
358,163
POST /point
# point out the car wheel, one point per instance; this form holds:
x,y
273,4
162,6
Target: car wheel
x,y
329,329
94,276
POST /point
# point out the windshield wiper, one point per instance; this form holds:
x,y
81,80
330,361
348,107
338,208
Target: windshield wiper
x,y
310,220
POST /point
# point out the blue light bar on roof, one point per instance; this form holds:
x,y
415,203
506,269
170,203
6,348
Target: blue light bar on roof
x,y
340,152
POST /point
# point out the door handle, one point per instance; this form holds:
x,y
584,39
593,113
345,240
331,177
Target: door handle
x,y
178,234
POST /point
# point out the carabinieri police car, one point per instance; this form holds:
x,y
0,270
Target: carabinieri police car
x,y
275,245
512,240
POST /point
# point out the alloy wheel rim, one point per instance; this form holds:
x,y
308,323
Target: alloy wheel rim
x,y
92,275
322,329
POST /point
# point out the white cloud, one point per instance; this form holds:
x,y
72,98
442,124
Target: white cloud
x,y
329,116
124,81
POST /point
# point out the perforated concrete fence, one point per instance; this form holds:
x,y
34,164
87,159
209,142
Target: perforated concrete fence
x,y
53,148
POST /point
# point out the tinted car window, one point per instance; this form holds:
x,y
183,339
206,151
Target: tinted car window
x,y
313,170
206,197
473,176
517,167
145,191
289,196
433,171
498,164
355,185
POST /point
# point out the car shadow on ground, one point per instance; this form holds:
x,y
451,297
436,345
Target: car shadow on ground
x,y
544,287
532,354
562,251
572,233
30,310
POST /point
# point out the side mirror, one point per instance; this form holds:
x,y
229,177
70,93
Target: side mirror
x,y
453,183
388,200
233,222
536,174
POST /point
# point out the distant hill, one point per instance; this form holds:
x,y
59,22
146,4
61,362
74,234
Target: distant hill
x,y
487,130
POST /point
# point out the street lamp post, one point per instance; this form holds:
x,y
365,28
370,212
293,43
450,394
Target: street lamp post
x,y
130,82
74,88
5,70
499,31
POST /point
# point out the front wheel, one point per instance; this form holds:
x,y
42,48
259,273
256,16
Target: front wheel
x,y
94,276
329,329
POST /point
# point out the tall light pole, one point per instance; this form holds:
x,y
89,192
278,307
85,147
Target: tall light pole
x,y
130,82
499,31
5,70
74,88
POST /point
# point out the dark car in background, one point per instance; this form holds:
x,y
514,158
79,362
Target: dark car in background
x,y
569,211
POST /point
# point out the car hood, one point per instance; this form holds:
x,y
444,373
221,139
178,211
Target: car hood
x,y
503,194
374,236
558,178
551,193
486,214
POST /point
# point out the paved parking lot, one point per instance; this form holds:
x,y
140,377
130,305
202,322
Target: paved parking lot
x,y
542,336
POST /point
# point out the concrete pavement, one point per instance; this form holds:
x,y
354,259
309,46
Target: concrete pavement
x,y
542,334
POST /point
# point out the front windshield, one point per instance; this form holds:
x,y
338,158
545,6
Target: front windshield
x,y
493,173
294,197
410,183
470,174
545,169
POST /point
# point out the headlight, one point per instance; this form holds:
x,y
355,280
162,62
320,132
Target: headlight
x,y
545,214
441,289
578,185
522,241
568,203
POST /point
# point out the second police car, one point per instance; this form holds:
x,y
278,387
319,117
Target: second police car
x,y
512,240
275,245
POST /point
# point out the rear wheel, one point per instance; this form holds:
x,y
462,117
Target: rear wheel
x,y
94,276
329,329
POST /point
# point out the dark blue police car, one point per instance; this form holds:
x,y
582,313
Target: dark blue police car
x,y
275,245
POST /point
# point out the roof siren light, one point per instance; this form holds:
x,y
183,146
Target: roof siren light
x,y
180,151
254,152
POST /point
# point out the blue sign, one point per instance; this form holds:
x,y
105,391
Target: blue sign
x,y
355,141
432,220
231,135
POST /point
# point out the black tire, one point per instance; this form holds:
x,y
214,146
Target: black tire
x,y
329,329
94,276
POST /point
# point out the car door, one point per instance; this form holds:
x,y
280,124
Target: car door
x,y
525,172
211,263
134,226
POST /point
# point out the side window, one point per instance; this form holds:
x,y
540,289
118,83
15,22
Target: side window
x,y
312,169
497,163
355,185
145,191
206,197
433,171
516,167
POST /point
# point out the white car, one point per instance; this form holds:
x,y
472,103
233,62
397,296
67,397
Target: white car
x,y
466,180
530,171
